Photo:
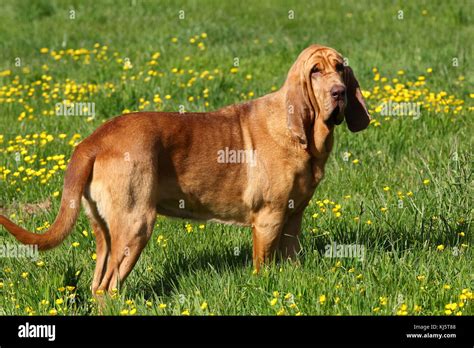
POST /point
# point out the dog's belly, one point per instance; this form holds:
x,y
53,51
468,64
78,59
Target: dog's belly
x,y
200,212
203,201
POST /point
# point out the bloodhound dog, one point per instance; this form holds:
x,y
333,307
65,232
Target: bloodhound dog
x,y
255,164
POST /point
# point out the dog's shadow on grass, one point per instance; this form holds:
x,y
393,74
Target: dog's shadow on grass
x,y
213,261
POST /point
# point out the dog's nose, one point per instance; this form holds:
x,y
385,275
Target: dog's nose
x,y
338,92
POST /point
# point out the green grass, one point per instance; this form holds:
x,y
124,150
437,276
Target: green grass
x,y
402,260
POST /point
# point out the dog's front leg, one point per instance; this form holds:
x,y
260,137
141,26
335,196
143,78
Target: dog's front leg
x,y
266,230
289,241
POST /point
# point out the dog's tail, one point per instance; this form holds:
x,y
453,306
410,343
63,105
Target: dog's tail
x,y
77,175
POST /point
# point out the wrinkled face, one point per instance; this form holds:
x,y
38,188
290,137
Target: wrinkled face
x,y
327,81
320,91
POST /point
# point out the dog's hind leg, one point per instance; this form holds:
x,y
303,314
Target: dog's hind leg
x,y
102,240
129,235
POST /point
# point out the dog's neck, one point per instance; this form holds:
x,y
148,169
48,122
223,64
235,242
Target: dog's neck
x,y
273,116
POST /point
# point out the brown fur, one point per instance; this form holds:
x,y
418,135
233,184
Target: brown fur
x,y
140,164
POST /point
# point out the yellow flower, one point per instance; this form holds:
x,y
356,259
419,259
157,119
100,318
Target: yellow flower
x,y
448,312
383,209
24,275
44,50
204,306
420,277
369,222
185,312
446,286
201,227
248,77
276,294
281,312
356,161
167,96
75,244
440,247
426,181
322,299
409,193
429,70
133,311
461,234
273,301
452,306
59,301
124,312
386,188
376,309
383,301
53,312
162,306
417,308
174,40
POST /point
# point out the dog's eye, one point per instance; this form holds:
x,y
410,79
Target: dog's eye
x,y
315,69
339,67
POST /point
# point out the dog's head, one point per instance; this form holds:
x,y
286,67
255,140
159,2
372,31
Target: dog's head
x,y
321,89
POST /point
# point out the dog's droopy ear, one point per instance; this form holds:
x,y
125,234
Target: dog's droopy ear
x,y
357,116
299,109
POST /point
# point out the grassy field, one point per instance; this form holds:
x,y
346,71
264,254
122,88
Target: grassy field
x,y
402,189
